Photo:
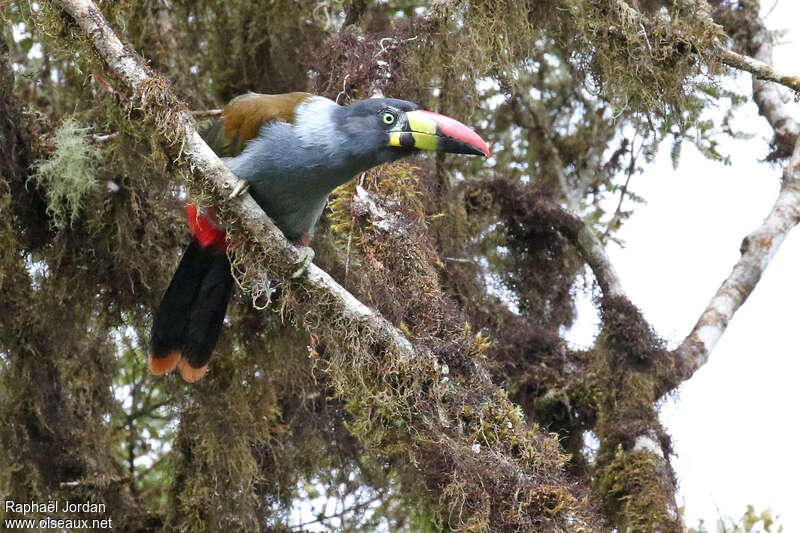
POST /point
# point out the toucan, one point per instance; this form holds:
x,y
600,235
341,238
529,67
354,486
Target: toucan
x,y
291,150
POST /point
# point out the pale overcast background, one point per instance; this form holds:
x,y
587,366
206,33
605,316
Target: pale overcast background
x,y
735,423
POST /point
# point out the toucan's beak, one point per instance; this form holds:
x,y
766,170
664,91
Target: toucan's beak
x,y
431,131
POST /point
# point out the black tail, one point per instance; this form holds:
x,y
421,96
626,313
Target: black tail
x,y
187,324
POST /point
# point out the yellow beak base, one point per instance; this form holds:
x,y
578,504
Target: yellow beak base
x,y
413,139
424,130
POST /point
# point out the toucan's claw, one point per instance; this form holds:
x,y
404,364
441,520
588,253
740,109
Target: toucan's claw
x,y
306,256
239,189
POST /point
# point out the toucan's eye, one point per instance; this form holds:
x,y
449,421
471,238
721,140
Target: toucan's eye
x,y
388,118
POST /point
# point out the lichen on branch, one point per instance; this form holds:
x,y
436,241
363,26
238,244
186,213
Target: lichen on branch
x,y
69,174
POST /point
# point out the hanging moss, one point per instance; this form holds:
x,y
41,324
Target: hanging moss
x,y
214,455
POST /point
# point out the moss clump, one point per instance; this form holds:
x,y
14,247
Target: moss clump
x,y
645,62
69,175
544,264
380,226
633,496
628,335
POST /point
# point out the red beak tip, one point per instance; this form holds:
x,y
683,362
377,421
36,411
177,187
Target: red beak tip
x,y
455,129
481,145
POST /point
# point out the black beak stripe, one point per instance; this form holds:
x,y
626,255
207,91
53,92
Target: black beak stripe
x,y
407,140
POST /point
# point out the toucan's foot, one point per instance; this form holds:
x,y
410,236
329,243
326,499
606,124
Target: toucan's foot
x,y
306,256
239,189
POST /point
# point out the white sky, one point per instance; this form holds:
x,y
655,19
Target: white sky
x,y
735,423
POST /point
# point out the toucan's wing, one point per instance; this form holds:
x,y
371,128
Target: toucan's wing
x,y
244,116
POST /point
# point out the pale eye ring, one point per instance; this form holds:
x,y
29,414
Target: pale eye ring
x,y
388,118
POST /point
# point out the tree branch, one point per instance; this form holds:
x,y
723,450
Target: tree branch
x,y
757,249
768,96
587,241
759,66
207,113
760,246
759,69
594,253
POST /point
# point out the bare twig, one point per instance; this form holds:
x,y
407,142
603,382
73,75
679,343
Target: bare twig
x,y
101,138
207,113
759,69
617,216
94,481
459,260
353,508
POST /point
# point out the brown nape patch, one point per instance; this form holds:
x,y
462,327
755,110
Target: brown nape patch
x,y
163,365
245,114
190,373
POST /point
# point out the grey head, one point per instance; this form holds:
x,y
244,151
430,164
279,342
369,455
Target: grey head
x,y
367,125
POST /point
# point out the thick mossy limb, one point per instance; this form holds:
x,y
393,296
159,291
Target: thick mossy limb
x,y
633,494
634,483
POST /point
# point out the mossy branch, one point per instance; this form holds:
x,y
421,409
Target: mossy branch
x,y
760,69
759,247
